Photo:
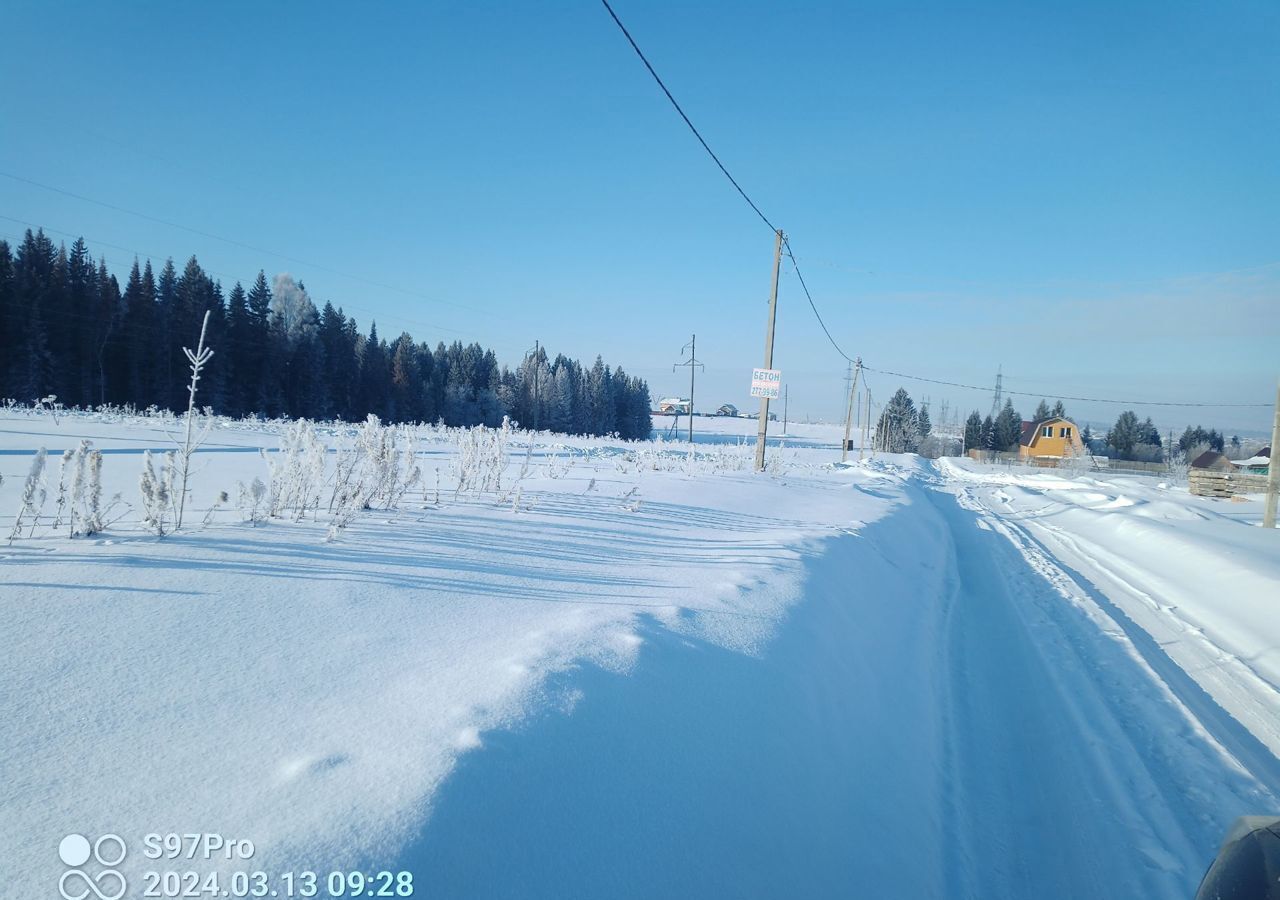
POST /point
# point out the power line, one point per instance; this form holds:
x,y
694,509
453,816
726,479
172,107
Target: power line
x,y
809,296
795,266
974,387
763,218
705,146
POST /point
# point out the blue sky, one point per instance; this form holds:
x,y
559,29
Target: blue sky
x,y
1084,193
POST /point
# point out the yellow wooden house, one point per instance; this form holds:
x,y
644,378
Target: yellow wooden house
x,y
1052,438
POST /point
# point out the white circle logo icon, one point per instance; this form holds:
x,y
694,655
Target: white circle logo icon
x,y
74,850
107,851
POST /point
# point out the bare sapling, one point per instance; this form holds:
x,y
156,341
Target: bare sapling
x,y
33,496
374,473
199,359
251,499
407,474
346,468
1179,467
297,471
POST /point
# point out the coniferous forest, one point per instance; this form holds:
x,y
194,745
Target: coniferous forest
x,y
68,329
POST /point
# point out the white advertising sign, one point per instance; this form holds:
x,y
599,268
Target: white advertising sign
x,y
766,383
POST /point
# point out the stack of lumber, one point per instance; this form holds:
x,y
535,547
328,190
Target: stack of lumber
x,y
1212,483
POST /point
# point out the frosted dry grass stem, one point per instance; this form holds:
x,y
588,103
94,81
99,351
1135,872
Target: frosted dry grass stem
x,y
33,496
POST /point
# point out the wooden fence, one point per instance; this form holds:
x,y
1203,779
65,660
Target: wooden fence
x,y
1212,483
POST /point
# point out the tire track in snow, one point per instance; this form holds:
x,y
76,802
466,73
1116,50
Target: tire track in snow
x,y
1134,785
1247,690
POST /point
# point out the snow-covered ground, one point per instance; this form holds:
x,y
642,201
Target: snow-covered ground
x,y
628,671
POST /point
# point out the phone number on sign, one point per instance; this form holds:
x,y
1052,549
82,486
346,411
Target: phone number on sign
x,y
287,884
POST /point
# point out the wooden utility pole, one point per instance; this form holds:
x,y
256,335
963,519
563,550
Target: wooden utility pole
x,y
763,429
786,399
1273,470
693,365
848,412
865,419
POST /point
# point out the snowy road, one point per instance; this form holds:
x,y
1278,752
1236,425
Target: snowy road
x,y
945,715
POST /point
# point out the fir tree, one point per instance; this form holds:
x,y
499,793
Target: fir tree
x,y
237,359
1125,434
898,428
973,432
76,349
1008,427
989,434
262,385
406,381
35,281
8,318
166,292
375,377
601,407
109,344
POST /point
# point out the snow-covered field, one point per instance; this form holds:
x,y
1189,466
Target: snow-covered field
x,y
623,670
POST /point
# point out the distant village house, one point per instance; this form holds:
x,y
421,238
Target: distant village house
x,y
1052,438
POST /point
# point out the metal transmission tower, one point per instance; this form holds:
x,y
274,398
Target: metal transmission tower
x,y
995,401
694,365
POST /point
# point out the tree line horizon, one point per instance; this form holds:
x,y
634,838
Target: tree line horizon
x,y
67,329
